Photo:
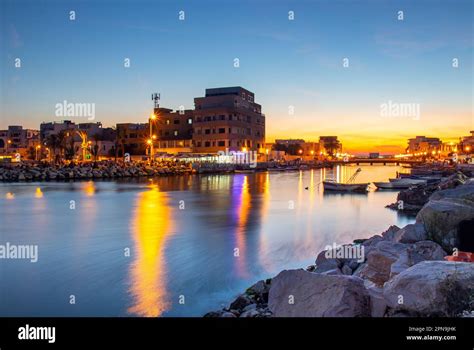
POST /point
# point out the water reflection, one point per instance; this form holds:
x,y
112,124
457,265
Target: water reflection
x,y
151,227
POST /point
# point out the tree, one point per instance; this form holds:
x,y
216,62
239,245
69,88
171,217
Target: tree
x,y
95,148
332,147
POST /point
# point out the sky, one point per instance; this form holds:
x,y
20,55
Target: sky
x,y
291,65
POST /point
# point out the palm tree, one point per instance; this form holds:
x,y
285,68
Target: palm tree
x,y
120,141
51,142
95,149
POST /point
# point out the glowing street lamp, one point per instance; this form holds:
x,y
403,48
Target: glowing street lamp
x,y
468,148
37,150
244,149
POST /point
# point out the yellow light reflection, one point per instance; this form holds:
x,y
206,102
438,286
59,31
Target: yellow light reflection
x,y
89,188
243,215
10,195
38,193
152,226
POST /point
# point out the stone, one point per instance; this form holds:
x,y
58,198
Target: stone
x,y
324,264
346,270
317,295
432,288
250,313
241,302
390,232
379,261
441,219
411,233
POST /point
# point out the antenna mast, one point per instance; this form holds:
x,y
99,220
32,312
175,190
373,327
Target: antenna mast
x,y
155,97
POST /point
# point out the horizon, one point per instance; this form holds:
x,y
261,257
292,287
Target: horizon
x,y
291,65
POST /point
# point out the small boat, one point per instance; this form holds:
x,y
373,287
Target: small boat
x,y
342,187
244,171
350,186
409,181
395,185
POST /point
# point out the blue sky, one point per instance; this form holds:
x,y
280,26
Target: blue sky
x,y
297,63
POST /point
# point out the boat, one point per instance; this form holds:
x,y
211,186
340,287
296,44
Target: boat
x,y
409,181
395,185
344,187
244,171
350,186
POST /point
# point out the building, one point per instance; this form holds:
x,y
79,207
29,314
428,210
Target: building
x,y
132,138
424,145
296,142
228,118
329,145
50,128
15,139
467,143
173,130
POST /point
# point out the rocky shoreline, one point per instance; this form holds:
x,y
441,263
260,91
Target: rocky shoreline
x,y
401,273
90,170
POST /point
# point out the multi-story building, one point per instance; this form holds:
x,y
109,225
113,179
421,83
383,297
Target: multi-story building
x,y
15,139
173,130
467,143
54,128
132,138
228,118
423,144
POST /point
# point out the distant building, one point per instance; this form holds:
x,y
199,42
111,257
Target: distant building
x,y
15,139
289,142
467,143
374,155
173,130
423,144
132,138
228,118
50,128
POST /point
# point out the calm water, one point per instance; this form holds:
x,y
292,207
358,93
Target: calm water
x,y
182,234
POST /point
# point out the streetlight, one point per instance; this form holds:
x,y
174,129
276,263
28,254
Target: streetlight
x,y
152,137
37,149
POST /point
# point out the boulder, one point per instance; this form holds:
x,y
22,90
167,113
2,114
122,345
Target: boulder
x,y
390,232
305,294
324,264
379,261
441,220
432,288
411,233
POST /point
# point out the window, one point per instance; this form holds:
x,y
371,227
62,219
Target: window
x,y
221,143
176,121
230,130
176,133
207,131
199,119
190,120
221,130
198,144
221,117
207,144
167,122
248,119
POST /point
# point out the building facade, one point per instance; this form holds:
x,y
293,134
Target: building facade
x,y
15,139
173,130
423,144
228,118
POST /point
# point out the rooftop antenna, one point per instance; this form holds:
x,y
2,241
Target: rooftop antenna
x,y
155,97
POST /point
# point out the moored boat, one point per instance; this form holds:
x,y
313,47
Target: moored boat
x,y
342,187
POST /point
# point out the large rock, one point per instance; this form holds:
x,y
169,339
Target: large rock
x,y
379,261
388,259
441,219
317,295
432,288
411,233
